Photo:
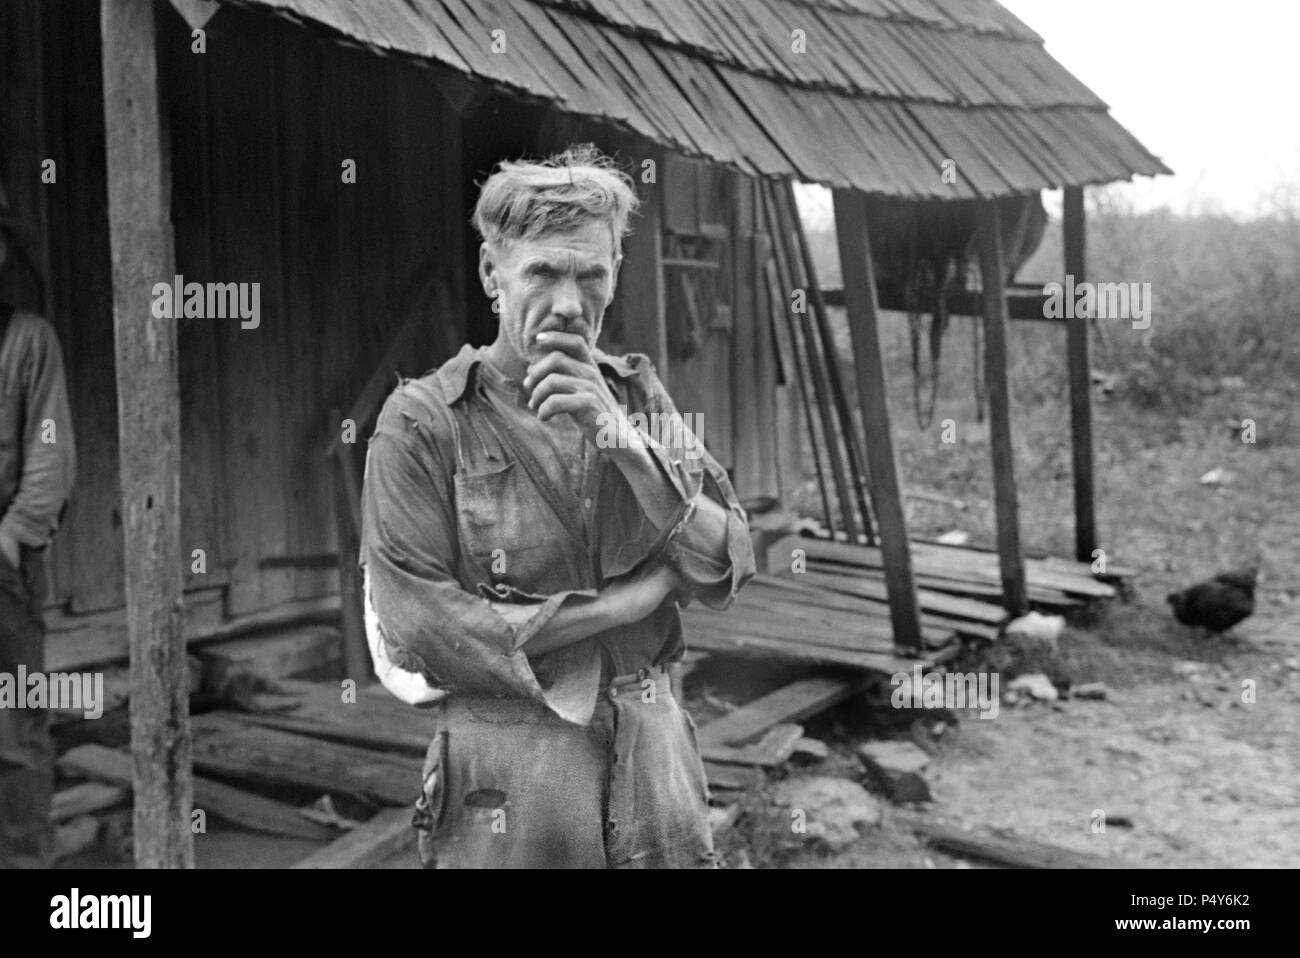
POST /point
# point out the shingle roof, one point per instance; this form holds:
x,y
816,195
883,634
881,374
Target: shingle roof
x,y
883,93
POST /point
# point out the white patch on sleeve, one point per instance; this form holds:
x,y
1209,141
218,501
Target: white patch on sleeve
x,y
410,687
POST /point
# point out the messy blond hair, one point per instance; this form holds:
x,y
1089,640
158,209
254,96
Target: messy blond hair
x,y
525,199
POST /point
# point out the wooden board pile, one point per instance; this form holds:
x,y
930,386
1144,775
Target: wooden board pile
x,y
826,602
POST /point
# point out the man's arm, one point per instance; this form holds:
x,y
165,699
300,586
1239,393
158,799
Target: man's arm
x,y
682,490
434,627
48,452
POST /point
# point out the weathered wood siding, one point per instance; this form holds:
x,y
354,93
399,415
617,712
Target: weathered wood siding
x,y
259,127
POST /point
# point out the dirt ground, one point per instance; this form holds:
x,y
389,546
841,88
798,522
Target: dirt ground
x,y
1187,773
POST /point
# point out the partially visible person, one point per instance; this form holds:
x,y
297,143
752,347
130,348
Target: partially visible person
x,y
37,464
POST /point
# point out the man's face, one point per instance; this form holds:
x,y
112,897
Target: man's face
x,y
557,282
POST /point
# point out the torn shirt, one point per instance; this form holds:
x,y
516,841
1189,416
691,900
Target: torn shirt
x,y
451,520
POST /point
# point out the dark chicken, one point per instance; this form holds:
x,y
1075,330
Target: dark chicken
x,y
1219,603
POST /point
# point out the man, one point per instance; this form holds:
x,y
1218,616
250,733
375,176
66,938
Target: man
x,y
526,545
37,463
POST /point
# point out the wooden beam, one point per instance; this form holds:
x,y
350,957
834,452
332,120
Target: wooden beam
x,y
804,342
641,297
369,844
1011,556
788,704
223,801
781,333
852,442
1024,302
347,497
148,402
869,363
1009,851
1085,517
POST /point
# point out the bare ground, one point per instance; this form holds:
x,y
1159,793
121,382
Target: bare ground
x,y
1187,773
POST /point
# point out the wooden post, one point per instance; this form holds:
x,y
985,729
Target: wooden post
x,y
148,402
347,506
1085,518
869,363
641,277
993,273
803,341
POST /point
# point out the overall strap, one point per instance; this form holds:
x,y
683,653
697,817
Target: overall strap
x,y
569,518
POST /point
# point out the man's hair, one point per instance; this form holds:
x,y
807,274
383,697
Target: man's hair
x,y
524,199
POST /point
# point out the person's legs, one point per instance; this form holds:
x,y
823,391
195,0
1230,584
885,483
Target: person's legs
x,y
658,791
516,788
26,749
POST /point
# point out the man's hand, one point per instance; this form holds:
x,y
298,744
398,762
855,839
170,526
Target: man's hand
x,y
567,380
9,548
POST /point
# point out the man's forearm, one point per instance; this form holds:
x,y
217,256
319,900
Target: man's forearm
x,y
619,603
571,623
707,531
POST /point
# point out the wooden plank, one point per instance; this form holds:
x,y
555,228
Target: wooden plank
x,y
951,605
148,399
223,801
1013,852
732,777
85,798
72,644
369,844
954,562
347,504
993,274
847,427
765,392
1080,366
791,703
869,363
809,357
371,719
272,656
772,616
641,294
793,370
773,748
266,756
256,365
801,594
748,645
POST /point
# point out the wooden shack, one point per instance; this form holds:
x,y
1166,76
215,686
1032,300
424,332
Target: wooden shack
x,y
329,152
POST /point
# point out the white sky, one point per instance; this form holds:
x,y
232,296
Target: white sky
x,y
1213,89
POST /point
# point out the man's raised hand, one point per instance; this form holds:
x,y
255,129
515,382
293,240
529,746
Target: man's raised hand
x,y
566,380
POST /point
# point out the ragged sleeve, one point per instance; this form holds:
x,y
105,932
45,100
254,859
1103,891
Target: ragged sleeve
x,y
409,551
693,472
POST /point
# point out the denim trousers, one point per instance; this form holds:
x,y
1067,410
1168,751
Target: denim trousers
x,y
508,784
26,748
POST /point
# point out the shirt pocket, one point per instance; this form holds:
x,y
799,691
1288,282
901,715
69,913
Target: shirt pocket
x,y
506,528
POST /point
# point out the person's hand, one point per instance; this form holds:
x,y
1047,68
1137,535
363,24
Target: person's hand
x,y
9,548
566,380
